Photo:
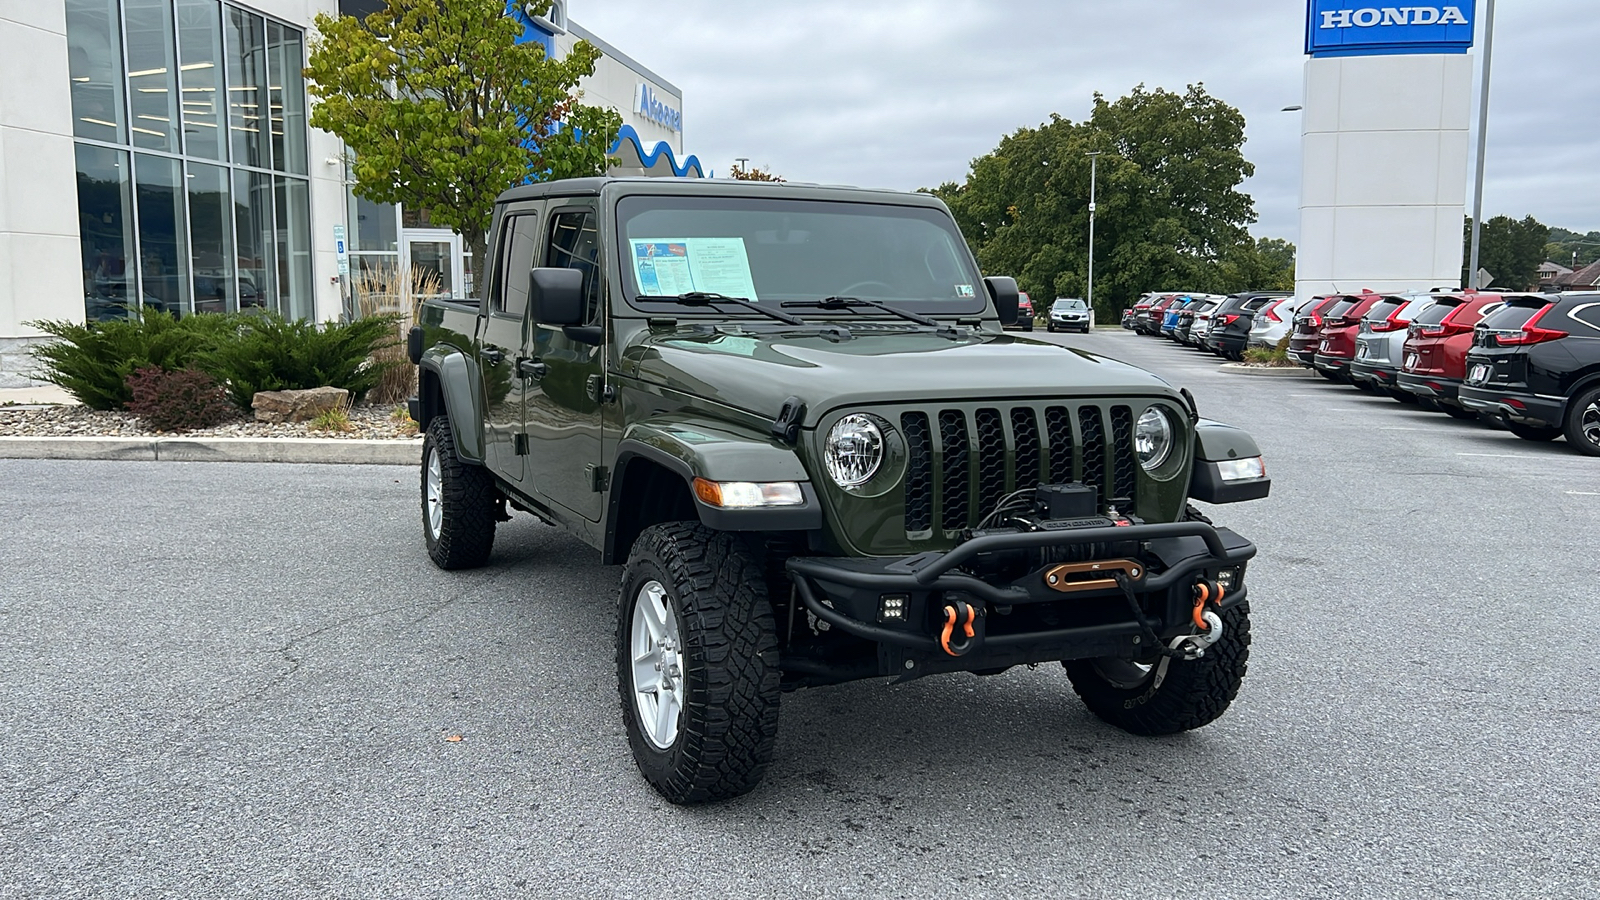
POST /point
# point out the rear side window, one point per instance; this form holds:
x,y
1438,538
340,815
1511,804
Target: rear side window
x,y
519,238
1585,311
1258,303
1512,316
1435,312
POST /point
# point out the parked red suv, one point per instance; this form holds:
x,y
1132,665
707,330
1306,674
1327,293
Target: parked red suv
x,y
1434,361
1336,345
1307,332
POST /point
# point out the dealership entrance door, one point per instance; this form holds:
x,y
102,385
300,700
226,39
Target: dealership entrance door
x,y
434,254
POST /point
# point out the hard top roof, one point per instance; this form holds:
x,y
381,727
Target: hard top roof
x,y
713,187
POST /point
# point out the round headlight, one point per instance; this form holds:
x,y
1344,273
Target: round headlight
x,y
1152,438
854,450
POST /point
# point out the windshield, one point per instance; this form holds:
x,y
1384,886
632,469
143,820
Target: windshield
x,y
774,250
1383,308
1069,304
1513,315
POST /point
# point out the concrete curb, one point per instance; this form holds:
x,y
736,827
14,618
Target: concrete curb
x,y
1269,372
195,449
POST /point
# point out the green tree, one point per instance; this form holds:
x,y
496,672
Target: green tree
x,y
1571,248
1509,249
444,110
1169,209
754,173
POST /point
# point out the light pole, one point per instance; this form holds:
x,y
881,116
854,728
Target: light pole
x,y
1094,157
1483,142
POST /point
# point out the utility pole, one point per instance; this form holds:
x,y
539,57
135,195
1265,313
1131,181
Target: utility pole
x,y
1483,142
1094,157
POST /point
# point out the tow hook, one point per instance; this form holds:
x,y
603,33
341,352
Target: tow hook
x,y
1193,646
963,612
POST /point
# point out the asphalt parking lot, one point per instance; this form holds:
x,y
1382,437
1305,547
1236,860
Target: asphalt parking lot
x,y
240,680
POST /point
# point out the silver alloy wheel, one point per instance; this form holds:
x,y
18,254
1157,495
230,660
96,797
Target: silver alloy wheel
x,y
434,493
1590,425
657,666
1126,674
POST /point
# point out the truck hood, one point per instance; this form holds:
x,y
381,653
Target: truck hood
x,y
757,371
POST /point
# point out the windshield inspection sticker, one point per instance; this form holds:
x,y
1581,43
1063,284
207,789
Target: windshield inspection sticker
x,y
964,290
672,266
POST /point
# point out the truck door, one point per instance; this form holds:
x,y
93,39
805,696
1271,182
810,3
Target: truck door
x,y
563,412
505,333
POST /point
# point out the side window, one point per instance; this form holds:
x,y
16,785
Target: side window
x,y
575,244
518,238
1588,314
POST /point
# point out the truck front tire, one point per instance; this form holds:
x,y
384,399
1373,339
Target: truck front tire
x,y
458,502
1142,698
697,663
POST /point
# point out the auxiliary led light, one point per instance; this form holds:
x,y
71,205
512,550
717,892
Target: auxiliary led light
x,y
1242,469
748,494
892,607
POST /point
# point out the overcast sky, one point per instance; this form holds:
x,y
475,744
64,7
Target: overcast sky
x,y
904,94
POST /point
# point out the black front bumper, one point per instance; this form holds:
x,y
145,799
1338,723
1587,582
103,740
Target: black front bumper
x,y
1022,620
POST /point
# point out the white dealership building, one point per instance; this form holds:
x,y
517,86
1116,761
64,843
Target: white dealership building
x,y
157,153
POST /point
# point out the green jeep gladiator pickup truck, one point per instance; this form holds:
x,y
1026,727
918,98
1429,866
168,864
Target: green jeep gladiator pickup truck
x,y
792,414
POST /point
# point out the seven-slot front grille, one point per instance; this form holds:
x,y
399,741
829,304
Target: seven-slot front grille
x,y
961,463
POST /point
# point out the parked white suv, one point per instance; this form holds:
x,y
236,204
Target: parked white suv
x,y
1069,314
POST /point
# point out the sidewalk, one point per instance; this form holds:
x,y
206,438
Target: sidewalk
x,y
40,394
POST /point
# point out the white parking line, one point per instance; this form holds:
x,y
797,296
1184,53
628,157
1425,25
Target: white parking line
x,y
1584,493
1508,455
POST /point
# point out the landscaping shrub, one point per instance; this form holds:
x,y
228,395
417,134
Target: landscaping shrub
x,y
271,353
92,362
178,401
382,290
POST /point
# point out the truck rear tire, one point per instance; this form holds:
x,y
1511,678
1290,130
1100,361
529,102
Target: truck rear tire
x,y
458,502
697,663
1140,698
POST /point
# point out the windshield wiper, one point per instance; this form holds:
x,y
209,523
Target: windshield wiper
x,y
706,298
849,302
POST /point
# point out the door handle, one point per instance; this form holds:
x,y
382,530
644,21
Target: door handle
x,y
494,356
532,368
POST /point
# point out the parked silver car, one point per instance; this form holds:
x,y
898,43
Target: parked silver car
x,y
1273,323
1068,314
1380,342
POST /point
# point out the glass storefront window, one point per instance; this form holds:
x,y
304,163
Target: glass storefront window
x,y
294,247
200,68
105,226
252,211
94,63
247,76
211,94
211,239
152,74
286,97
373,226
163,235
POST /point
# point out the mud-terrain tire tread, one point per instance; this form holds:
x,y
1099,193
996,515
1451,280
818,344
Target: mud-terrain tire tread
x,y
1194,693
1573,427
466,534
730,718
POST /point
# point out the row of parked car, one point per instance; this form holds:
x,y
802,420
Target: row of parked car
x,y
1226,326
1529,363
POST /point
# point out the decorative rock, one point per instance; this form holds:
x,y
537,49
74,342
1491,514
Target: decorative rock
x,y
297,406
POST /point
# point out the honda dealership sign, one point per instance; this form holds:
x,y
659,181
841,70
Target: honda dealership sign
x,y
1361,28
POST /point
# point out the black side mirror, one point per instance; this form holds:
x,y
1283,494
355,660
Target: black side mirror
x,y
557,296
1003,291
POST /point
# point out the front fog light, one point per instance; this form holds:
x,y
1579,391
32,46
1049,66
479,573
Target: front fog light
x,y
1152,438
1228,579
748,494
854,450
892,607
1242,469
